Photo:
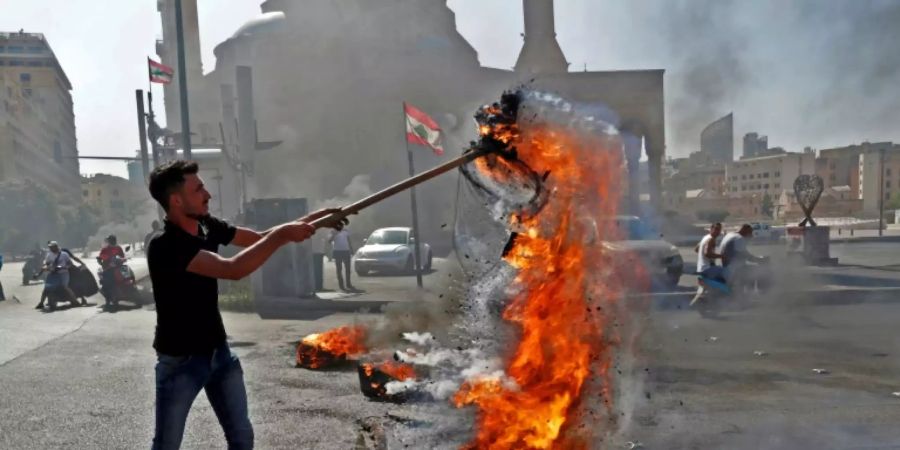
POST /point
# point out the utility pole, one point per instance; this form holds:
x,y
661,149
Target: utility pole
x,y
142,131
881,192
182,83
151,120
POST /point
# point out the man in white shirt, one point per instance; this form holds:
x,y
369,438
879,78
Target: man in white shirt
x,y
341,251
706,253
738,261
57,263
706,256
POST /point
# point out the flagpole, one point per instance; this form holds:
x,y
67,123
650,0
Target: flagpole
x,y
417,264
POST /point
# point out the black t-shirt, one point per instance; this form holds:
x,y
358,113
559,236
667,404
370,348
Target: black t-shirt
x,y
187,305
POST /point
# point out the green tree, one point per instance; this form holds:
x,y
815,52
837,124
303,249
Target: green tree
x,y
29,216
767,205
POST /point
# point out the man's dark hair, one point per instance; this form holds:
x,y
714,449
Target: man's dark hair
x,y
168,178
746,229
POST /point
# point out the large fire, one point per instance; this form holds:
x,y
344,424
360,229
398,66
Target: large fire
x,y
564,283
316,351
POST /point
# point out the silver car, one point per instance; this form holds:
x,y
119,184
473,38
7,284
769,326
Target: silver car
x,y
390,249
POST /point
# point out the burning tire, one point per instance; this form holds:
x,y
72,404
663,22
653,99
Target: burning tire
x,y
331,348
373,380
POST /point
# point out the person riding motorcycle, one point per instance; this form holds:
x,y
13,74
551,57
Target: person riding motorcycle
x,y
742,268
109,264
57,264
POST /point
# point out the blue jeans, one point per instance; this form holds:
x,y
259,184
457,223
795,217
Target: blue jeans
x,y
178,381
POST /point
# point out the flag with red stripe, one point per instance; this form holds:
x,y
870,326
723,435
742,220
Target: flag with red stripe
x,y
422,129
159,73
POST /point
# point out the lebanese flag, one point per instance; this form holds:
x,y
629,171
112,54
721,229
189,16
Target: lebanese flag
x,y
159,73
422,129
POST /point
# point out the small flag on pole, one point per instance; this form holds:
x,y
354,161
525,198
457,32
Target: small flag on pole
x,y
422,129
159,73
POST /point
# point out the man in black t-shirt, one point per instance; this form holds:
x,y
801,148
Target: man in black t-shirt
x,y
192,353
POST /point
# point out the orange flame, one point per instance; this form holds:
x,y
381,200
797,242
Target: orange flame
x,y
397,370
564,281
340,342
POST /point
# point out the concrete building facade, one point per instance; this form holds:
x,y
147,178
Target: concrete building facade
x,y
878,165
37,122
717,140
754,145
116,199
839,166
768,174
327,80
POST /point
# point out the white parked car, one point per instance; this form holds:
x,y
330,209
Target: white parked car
x,y
661,259
390,249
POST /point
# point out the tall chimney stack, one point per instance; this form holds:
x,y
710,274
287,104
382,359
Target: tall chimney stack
x,y
541,53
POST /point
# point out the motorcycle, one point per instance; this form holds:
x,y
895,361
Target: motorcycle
x,y
55,291
117,281
712,293
31,270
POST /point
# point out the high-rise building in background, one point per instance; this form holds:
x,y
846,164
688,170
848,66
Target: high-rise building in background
x,y
717,140
37,122
754,145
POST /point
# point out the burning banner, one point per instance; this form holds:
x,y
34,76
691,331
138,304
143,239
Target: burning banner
x,y
333,347
559,284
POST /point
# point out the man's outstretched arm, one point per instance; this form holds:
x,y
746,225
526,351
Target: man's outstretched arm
x,y
245,237
212,265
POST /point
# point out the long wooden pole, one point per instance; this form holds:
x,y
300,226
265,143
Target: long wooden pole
x,y
358,206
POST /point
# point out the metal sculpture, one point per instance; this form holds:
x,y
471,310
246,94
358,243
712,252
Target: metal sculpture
x,y
808,189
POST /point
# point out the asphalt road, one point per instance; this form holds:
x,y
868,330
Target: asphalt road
x,y
686,382
22,328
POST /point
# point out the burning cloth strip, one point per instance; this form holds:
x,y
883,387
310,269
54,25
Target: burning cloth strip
x,y
561,282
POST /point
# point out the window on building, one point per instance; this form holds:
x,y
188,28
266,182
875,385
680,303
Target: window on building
x,y
85,193
115,192
99,193
887,184
15,49
36,49
766,185
2,62
16,63
887,171
751,176
25,77
743,177
766,175
777,174
57,153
